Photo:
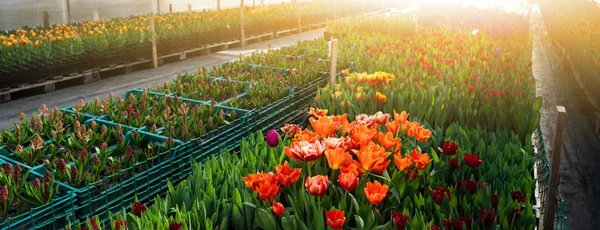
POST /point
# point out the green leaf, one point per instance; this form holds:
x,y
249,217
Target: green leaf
x,y
266,219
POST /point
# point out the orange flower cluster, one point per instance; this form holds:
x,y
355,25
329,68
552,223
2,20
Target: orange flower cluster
x,y
376,78
268,185
355,149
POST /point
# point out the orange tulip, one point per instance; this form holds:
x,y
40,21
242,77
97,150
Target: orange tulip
x,y
364,135
387,140
335,157
401,118
402,163
304,150
351,167
268,190
422,134
306,135
286,175
381,98
420,159
393,126
317,112
323,126
341,121
372,158
317,185
254,180
375,192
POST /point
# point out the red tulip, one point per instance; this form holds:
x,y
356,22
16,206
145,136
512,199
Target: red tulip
x,y
348,181
335,219
399,219
473,160
518,196
454,163
449,148
278,208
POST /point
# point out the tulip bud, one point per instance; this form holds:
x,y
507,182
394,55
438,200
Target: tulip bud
x,y
36,183
22,117
83,155
74,172
272,138
3,194
8,168
96,160
129,154
16,173
61,165
47,178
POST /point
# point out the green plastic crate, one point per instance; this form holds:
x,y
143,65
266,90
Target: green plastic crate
x,y
53,215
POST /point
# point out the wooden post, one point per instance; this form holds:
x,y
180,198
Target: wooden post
x,y
218,4
170,8
189,8
96,15
243,36
362,4
153,39
157,6
46,20
253,2
333,61
334,10
68,11
262,2
554,170
299,23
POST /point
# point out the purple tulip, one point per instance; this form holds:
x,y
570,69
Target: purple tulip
x,y
272,138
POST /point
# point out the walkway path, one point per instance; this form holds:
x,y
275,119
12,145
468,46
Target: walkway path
x,y
119,84
580,163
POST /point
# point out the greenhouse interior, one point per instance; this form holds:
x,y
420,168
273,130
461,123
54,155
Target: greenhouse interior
x,y
299,114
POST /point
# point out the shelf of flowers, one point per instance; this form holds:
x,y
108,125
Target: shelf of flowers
x,y
381,171
93,159
33,54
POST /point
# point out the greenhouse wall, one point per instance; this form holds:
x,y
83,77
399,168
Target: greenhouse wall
x,y
18,13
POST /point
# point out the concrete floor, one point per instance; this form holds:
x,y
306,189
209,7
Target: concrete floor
x,y
580,161
120,84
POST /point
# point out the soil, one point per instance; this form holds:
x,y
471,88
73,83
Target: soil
x,y
580,161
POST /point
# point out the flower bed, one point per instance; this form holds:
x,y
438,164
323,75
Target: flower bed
x,y
170,116
371,170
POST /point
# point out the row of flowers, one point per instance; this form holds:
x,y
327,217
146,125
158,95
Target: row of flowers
x,y
63,40
471,73
373,172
